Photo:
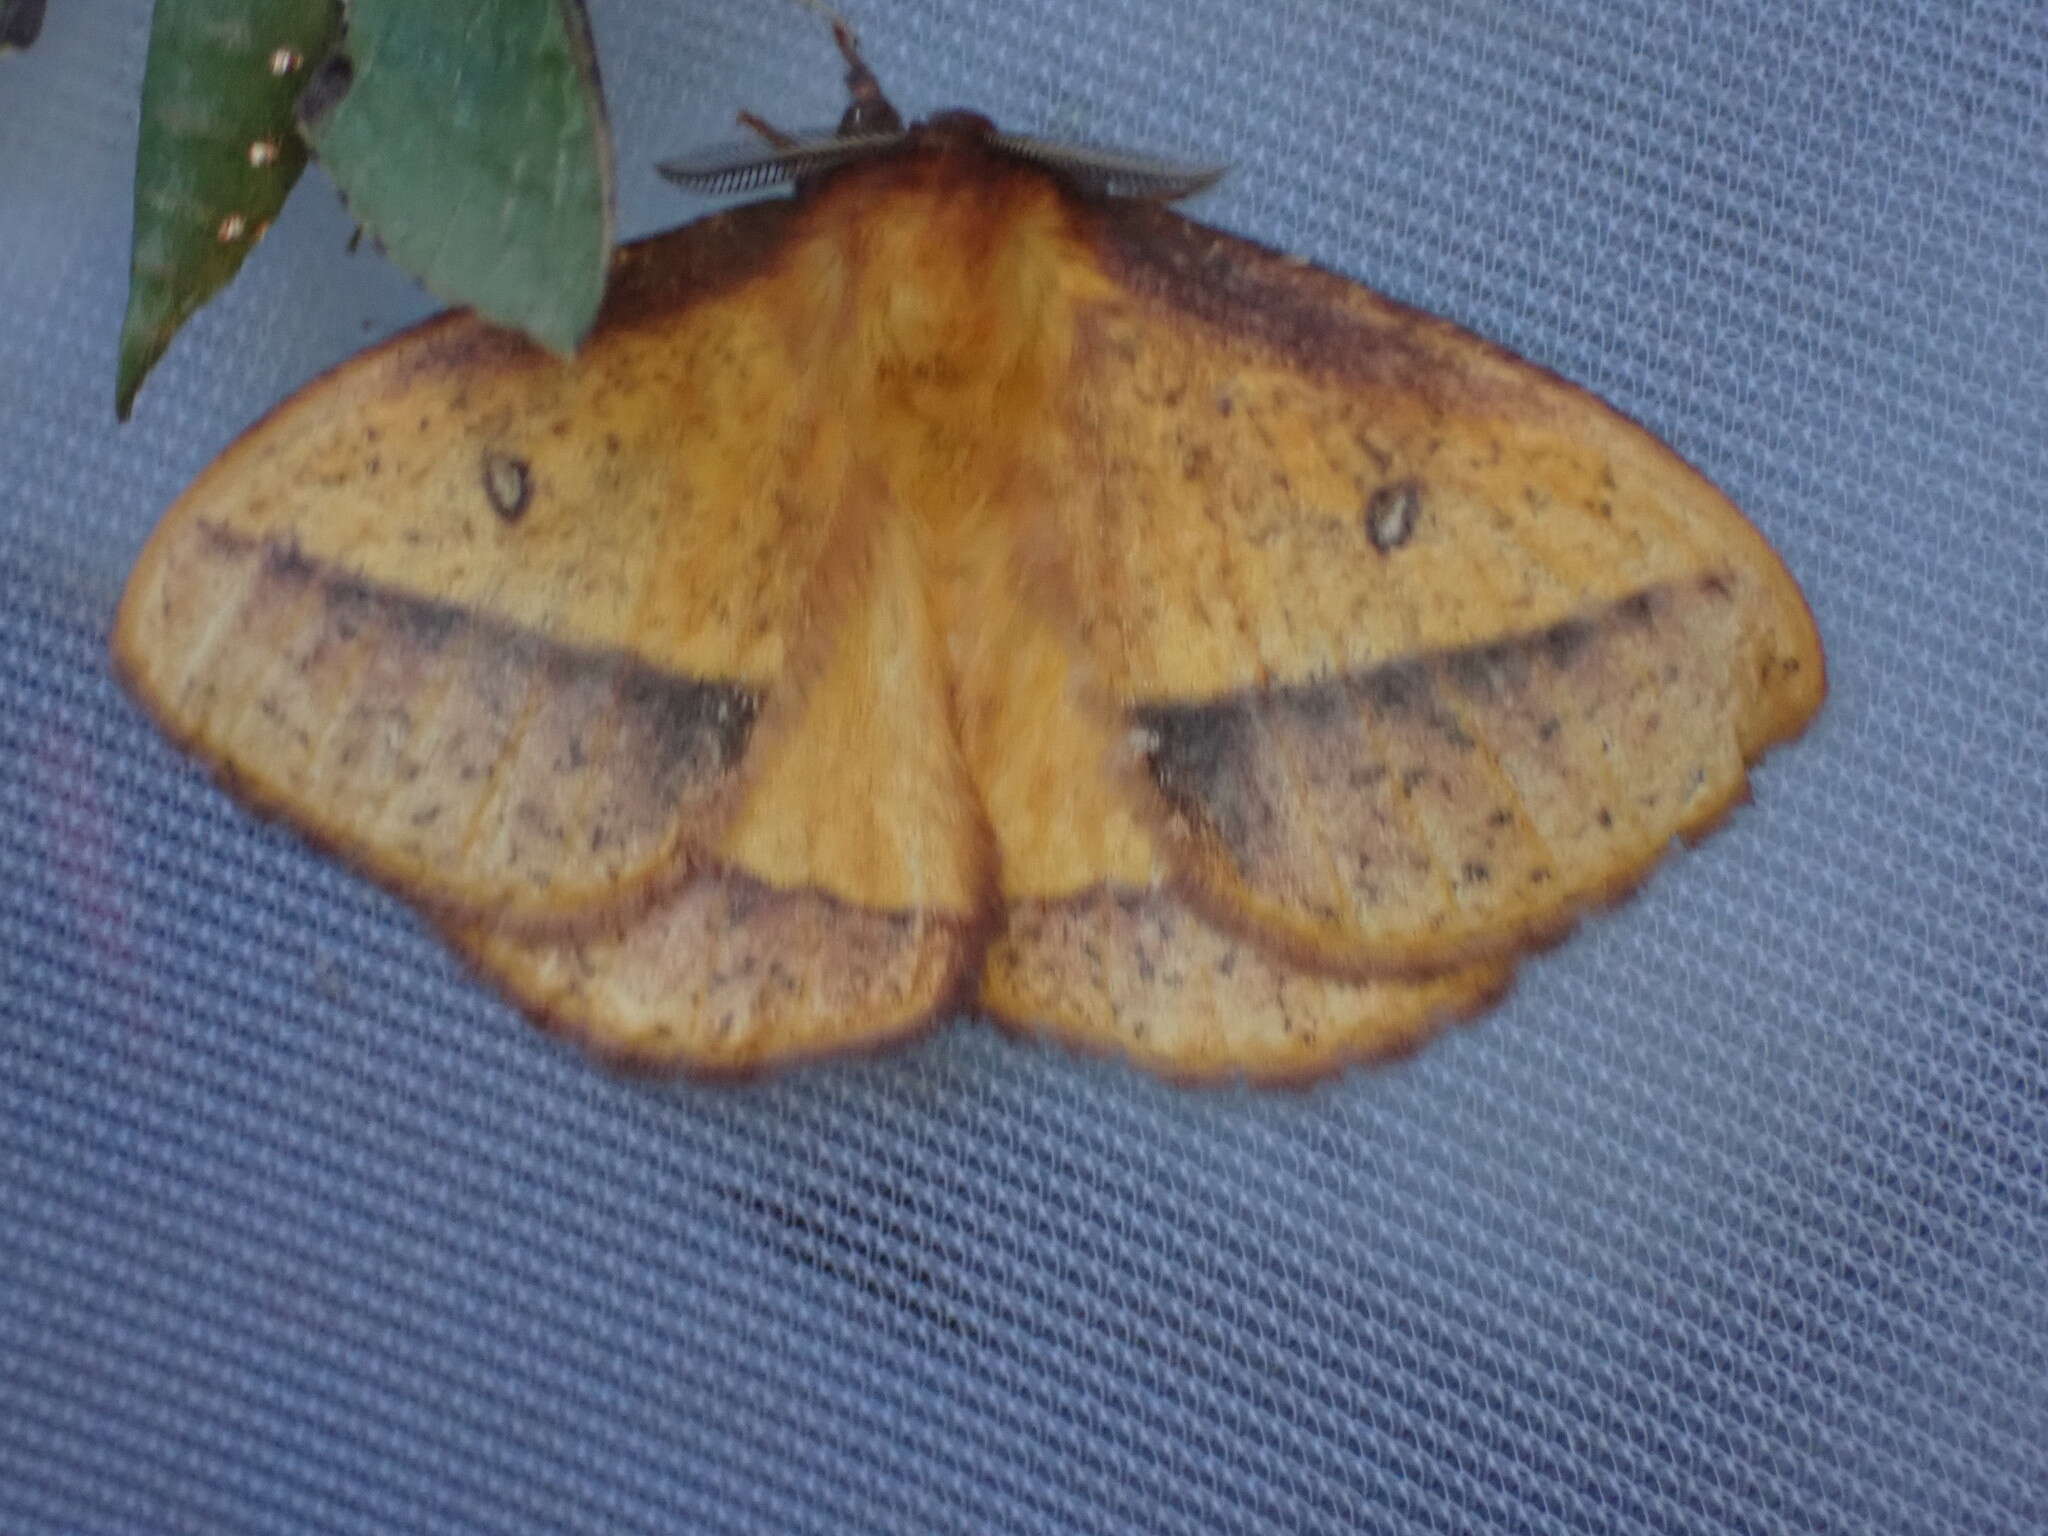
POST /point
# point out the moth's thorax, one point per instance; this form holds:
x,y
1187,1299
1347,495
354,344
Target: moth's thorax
x,y
939,243
937,285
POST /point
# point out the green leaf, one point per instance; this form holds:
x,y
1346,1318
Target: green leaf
x,y
469,138
217,153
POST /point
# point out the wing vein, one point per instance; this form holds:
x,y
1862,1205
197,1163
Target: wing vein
x,y
532,698
419,739
596,751
1498,771
225,616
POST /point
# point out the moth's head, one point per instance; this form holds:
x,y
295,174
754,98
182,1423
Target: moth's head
x,y
872,129
952,130
801,159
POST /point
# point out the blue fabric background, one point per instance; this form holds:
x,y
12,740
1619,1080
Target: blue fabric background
x,y
1734,1217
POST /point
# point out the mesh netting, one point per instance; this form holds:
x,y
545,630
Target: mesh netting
x,y
1735,1216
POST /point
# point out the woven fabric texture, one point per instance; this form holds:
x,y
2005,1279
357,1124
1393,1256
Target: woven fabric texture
x,y
1734,1217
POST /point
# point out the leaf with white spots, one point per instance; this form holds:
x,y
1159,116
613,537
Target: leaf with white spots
x,y
217,153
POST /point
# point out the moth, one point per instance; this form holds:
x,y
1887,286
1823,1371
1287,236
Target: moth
x,y
967,584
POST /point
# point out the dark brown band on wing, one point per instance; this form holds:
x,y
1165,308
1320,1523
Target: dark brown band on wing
x,y
1464,803
468,759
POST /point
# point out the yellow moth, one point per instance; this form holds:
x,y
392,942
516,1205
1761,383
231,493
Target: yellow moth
x,y
964,586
